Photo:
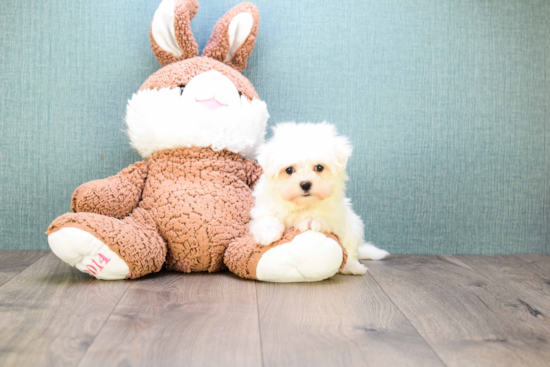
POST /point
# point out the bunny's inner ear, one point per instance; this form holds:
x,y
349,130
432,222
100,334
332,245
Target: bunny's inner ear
x,y
238,31
171,36
234,36
163,30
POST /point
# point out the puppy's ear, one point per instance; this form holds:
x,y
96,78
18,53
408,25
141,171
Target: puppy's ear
x,y
234,36
266,160
342,151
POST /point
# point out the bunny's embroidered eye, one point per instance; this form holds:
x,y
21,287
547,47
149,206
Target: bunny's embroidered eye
x,y
182,88
318,168
289,170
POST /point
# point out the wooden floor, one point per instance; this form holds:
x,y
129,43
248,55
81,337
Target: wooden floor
x,y
409,310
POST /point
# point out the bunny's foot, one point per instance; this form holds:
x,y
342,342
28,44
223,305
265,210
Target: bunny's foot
x,y
108,248
296,257
88,254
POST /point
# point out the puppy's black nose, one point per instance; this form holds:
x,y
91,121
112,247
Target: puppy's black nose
x,y
305,185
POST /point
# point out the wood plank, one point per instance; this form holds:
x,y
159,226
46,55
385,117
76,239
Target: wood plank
x,y
13,262
343,321
537,263
531,289
467,318
180,319
50,313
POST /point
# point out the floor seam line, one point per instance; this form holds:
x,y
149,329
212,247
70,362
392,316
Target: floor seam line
x,y
409,321
259,323
102,326
24,270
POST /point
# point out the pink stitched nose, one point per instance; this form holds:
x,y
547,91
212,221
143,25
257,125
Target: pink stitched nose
x,y
211,104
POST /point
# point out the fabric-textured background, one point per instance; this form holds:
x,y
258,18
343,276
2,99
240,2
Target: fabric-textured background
x,y
446,102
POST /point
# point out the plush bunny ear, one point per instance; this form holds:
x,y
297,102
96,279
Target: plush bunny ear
x,y
234,36
171,36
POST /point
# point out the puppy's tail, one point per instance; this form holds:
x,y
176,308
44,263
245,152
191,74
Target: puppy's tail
x,y
368,251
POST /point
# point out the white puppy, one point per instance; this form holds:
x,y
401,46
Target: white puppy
x,y
303,186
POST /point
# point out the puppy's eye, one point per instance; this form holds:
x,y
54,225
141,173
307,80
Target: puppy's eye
x,y
182,88
290,170
319,168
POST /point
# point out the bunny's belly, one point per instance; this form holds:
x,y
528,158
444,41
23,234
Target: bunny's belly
x,y
198,220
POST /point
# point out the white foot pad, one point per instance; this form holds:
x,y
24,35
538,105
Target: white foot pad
x,y
82,250
309,257
370,252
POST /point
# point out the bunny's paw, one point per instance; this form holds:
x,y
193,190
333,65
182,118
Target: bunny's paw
x,y
87,253
308,257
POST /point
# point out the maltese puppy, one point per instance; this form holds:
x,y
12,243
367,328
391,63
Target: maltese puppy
x,y
303,187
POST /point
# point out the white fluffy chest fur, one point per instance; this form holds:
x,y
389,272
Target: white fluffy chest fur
x,y
333,214
330,214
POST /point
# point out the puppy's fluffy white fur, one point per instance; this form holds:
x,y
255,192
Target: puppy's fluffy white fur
x,y
291,159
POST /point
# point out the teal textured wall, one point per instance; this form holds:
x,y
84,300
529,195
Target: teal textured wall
x,y
446,102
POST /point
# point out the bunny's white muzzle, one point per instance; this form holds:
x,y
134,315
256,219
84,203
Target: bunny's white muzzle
x,y
208,112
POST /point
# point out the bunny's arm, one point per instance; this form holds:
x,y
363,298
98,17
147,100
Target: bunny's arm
x,y
253,172
115,196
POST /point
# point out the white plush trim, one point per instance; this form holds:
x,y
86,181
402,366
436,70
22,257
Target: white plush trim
x,y
239,29
309,257
164,119
88,254
163,29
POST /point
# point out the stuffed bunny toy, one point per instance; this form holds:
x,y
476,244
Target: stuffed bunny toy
x,y
197,123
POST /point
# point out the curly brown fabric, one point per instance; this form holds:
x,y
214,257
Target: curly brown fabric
x,y
195,201
180,73
242,255
218,44
135,238
201,201
115,196
184,12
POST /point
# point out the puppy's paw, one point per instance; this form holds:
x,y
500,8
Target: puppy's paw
x,y
370,252
313,224
303,225
319,225
266,232
354,267
268,237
